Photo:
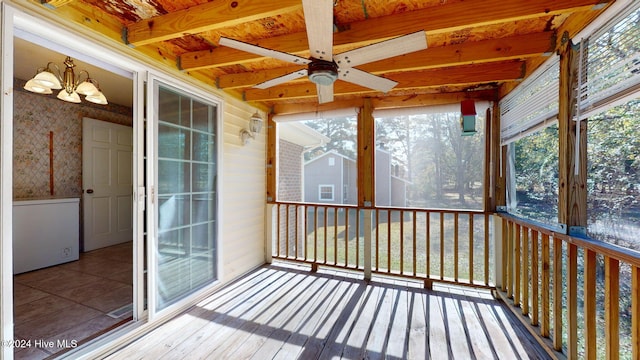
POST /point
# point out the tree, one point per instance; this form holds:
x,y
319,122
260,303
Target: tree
x,y
343,134
438,159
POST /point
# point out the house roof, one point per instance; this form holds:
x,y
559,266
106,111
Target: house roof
x,y
301,134
331,152
476,48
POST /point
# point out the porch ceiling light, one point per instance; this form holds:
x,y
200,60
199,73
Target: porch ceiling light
x,y
468,117
72,86
255,125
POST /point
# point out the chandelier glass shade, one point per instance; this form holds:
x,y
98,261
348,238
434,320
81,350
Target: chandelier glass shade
x,y
70,86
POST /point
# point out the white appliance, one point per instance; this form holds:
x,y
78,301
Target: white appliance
x,y
45,233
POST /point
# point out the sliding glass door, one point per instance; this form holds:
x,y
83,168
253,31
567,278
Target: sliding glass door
x,y
184,197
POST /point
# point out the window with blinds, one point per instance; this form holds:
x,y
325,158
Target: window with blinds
x,y
610,64
532,105
610,102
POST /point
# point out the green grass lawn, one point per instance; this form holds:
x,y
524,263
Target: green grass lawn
x,y
394,243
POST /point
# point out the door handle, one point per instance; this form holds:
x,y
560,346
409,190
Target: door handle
x,y
89,191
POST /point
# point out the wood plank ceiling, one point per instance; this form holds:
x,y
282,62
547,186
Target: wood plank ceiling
x,y
476,48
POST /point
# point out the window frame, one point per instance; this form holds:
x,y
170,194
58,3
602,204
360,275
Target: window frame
x,y
320,192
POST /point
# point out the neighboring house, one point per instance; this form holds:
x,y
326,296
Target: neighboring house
x,y
391,188
331,178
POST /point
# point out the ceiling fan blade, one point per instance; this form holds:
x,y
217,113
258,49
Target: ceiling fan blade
x,y
318,17
382,50
325,93
258,50
281,79
366,79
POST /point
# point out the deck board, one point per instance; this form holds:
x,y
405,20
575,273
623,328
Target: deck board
x,y
288,312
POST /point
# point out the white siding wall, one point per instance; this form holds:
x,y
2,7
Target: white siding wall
x,y
243,193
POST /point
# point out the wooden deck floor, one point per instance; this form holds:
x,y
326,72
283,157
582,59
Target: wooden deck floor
x,y
287,312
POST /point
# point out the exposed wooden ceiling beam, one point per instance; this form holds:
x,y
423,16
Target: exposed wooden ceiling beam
x,y
205,17
457,75
437,19
514,47
387,102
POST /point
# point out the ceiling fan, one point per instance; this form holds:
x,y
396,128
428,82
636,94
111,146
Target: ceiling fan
x,y
324,68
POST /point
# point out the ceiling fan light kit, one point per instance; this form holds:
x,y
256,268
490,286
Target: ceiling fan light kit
x,y
323,72
323,68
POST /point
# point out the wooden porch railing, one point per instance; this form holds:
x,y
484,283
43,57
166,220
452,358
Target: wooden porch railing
x,y
568,291
441,245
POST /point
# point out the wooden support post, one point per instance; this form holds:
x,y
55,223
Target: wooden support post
x,y
572,189
489,161
366,159
366,176
272,159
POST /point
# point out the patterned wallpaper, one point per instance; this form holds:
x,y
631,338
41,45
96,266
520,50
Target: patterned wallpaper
x,y
35,116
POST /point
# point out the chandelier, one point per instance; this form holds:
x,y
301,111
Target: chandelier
x,y
46,80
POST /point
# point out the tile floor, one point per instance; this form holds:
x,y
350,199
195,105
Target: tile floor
x,y
69,304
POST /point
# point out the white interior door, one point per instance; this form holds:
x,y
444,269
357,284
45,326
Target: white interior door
x,y
107,164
